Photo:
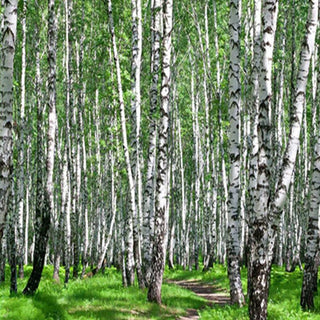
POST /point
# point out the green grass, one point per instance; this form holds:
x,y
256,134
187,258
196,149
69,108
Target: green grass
x,y
100,297
284,299
103,297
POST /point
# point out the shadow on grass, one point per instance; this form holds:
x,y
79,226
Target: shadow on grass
x,y
153,311
49,306
99,312
192,302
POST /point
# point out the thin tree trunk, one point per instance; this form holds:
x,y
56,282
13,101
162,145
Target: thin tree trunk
x,y
59,220
11,242
148,223
310,274
132,197
65,181
233,246
2,262
312,234
21,182
136,120
45,206
290,154
113,217
183,197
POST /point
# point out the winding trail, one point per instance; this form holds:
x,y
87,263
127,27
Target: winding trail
x,y
213,294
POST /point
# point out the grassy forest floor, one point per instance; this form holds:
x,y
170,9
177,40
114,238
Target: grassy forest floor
x,y
103,297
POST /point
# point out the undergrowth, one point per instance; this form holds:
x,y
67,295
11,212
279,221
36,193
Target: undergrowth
x,y
284,298
103,297
99,297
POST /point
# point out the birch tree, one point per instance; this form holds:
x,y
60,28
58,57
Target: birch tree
x,y
290,155
259,282
266,214
312,234
8,34
148,220
44,212
136,117
132,197
160,227
21,147
233,246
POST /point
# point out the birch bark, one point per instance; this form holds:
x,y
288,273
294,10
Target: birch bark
x,y
132,197
21,182
136,120
259,281
233,246
160,231
312,234
291,151
9,32
267,215
148,221
44,213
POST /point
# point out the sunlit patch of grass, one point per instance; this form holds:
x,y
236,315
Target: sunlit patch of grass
x,y
284,302
99,297
226,312
284,298
176,297
103,297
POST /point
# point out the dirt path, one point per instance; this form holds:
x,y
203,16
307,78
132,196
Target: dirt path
x,y
211,293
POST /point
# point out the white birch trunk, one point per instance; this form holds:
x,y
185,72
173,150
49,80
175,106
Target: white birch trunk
x,y
160,231
290,154
233,246
130,265
136,117
183,198
312,234
8,35
21,182
45,212
148,223
258,276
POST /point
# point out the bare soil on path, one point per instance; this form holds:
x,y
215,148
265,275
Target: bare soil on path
x,y
213,294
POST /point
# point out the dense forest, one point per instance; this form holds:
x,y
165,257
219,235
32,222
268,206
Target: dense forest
x,y
158,134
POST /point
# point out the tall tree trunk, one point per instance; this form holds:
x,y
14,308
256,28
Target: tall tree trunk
x,y
8,34
6,142
46,205
268,215
291,151
27,218
58,220
160,231
21,182
259,276
183,197
254,112
312,234
83,152
233,246
148,221
132,197
11,242
136,132
113,207
310,274
67,167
